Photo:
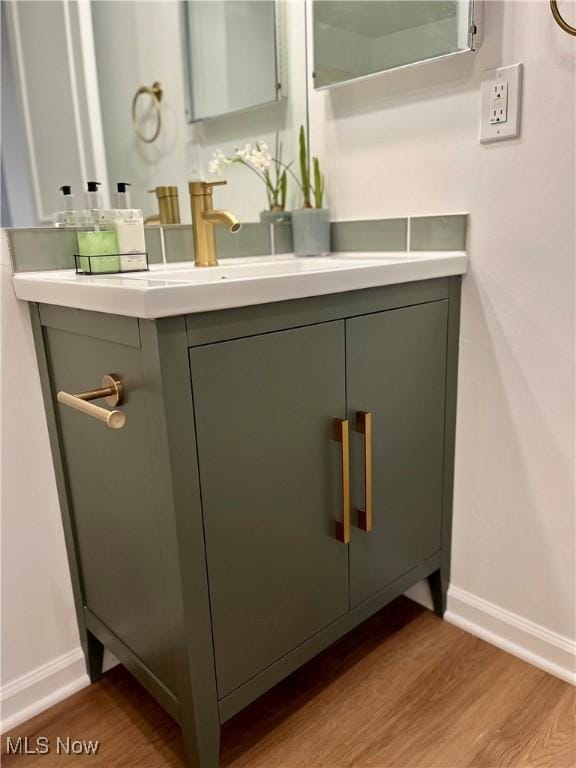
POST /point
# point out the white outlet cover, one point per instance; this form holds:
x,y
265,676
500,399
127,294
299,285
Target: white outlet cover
x,y
511,77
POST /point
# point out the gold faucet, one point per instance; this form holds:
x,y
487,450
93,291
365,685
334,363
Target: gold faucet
x,y
169,210
204,217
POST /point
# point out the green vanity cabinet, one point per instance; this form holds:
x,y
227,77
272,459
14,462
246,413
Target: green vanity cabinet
x,y
205,537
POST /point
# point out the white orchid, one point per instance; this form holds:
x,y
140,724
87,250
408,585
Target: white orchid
x,y
245,152
258,158
219,162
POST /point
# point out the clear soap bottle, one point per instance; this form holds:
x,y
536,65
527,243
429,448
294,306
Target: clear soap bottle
x,y
129,224
68,215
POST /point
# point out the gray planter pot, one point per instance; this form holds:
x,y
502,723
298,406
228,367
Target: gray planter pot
x,y
311,231
275,217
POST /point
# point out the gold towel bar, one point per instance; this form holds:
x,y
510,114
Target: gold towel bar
x,y
112,389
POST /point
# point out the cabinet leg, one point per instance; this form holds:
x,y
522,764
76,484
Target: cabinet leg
x,y
201,750
94,653
439,588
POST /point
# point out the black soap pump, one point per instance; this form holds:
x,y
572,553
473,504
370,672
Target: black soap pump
x,y
67,197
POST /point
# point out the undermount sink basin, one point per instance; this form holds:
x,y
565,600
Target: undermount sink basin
x,y
176,289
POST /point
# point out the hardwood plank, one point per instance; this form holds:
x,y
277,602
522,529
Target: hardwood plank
x,y
132,728
472,726
539,733
403,690
434,712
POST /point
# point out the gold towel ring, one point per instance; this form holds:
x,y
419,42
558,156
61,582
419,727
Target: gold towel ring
x,y
155,91
559,19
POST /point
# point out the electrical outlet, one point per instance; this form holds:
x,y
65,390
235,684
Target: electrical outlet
x,y
500,114
499,104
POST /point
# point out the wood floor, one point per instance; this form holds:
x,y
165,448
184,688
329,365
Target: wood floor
x,y
404,690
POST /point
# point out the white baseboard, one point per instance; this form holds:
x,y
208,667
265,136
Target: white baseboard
x,y
42,688
506,630
45,686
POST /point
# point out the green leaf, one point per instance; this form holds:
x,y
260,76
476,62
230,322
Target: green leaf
x,y
283,190
304,168
318,183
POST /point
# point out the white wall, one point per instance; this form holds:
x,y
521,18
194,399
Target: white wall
x,y
40,644
407,143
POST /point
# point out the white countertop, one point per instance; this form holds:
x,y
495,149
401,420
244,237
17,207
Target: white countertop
x,y
177,289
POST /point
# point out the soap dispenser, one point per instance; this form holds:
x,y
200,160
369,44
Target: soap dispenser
x,y
129,226
67,197
92,196
123,195
67,216
98,244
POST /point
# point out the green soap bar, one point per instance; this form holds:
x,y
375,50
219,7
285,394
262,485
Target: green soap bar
x,y
101,244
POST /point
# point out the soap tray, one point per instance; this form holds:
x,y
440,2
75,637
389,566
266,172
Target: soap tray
x,y
107,264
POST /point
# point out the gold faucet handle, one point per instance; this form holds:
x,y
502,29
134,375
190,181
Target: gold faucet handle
x,y
161,192
204,187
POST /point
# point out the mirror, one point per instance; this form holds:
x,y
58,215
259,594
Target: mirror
x,y
233,43
358,38
145,92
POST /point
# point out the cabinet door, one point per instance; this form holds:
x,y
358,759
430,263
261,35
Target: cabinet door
x,y
396,363
271,491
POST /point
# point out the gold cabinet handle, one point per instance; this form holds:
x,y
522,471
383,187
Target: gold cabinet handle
x,y
364,426
112,389
341,435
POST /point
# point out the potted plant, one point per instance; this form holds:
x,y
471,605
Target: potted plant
x,y
270,170
310,225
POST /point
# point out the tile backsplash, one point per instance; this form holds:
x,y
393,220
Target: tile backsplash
x,y
252,240
42,248
39,248
370,235
438,233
